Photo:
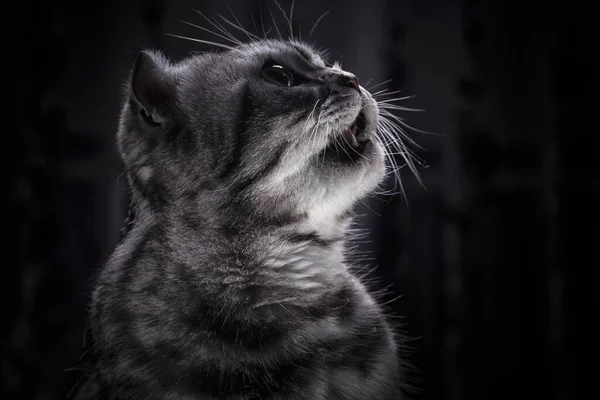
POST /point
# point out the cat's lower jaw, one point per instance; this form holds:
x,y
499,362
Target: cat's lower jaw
x,y
345,152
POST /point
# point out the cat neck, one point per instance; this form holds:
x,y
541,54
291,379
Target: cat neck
x,y
293,254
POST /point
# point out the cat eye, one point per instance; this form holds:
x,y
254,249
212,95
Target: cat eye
x,y
278,75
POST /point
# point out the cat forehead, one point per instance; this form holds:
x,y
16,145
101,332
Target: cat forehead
x,y
239,61
288,48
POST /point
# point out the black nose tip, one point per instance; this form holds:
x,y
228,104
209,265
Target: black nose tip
x,y
351,82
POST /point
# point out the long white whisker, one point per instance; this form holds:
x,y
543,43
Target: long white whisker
x,y
317,23
396,99
239,24
262,22
408,157
225,30
401,122
254,23
304,131
209,31
250,35
388,128
385,116
219,27
317,128
397,142
379,84
200,41
385,92
286,18
393,165
292,18
275,23
385,145
399,108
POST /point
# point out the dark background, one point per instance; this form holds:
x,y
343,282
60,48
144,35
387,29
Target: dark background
x,y
494,259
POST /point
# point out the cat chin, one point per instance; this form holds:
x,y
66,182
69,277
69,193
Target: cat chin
x,y
325,192
343,187
362,169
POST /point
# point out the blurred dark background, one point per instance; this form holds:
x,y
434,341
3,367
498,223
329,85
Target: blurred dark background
x,y
494,259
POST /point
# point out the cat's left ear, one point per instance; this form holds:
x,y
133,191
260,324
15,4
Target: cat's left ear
x,y
153,86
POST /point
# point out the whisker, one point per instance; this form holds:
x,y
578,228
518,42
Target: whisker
x,y
397,140
239,24
387,127
403,123
286,18
379,84
262,22
275,23
392,170
397,99
391,141
292,17
317,23
219,27
305,131
200,41
380,92
317,126
253,23
395,127
387,106
250,35
388,193
209,31
386,92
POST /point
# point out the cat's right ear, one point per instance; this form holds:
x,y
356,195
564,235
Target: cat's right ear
x,y
152,87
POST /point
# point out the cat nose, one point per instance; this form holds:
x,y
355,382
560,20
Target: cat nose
x,y
349,80
343,78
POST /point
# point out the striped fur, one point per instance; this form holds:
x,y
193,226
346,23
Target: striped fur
x,y
231,281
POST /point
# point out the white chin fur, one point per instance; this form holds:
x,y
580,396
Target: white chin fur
x,y
335,201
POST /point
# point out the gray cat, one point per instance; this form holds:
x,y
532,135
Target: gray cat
x,y
231,282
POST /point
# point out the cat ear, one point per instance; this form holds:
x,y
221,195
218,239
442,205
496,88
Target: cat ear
x,y
152,86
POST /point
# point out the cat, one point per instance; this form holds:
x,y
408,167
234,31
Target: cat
x,y
232,282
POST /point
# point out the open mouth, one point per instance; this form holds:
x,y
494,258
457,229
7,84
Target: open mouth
x,y
351,143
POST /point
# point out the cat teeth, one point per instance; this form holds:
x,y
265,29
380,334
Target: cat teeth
x,y
362,137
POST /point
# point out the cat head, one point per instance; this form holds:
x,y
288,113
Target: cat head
x,y
267,125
